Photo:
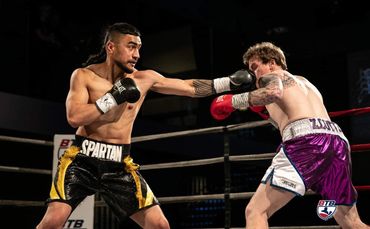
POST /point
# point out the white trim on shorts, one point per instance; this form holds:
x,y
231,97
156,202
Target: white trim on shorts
x,y
307,126
283,174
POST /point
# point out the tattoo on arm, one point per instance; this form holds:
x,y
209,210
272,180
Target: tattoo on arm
x,y
203,88
271,86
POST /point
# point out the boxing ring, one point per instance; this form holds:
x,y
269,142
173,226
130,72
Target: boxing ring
x,y
227,160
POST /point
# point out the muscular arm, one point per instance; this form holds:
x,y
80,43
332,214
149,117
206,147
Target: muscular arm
x,y
79,112
173,86
270,89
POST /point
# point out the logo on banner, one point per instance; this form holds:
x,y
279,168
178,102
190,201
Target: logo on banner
x,y
74,223
326,209
64,144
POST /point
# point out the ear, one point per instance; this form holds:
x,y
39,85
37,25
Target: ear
x,y
272,63
109,47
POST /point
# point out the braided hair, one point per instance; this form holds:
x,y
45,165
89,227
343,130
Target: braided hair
x,y
111,31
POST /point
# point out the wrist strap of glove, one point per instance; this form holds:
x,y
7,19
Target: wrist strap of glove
x,y
105,103
221,84
241,101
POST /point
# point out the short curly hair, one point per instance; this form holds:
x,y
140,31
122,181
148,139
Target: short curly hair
x,y
266,51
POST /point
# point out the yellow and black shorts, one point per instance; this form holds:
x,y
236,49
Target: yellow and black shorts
x,y
91,166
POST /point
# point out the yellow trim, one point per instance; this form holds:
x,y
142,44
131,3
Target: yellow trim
x,y
64,162
132,167
149,196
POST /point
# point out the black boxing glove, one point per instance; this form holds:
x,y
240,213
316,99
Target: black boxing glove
x,y
124,90
240,80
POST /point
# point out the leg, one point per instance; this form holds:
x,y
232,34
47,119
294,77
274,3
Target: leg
x,y
151,218
347,217
56,215
264,203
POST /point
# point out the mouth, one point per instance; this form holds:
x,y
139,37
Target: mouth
x,y
132,64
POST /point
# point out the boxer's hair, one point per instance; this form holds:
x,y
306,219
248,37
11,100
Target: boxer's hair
x,y
110,33
266,51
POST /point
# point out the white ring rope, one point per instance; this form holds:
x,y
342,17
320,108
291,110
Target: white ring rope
x,y
26,140
179,164
217,129
25,170
164,200
199,162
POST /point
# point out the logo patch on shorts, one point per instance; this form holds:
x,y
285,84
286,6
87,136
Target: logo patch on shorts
x,y
326,209
288,184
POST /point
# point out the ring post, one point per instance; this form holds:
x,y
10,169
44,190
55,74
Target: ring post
x,y
227,178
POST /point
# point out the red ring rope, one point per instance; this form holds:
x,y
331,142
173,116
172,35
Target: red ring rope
x,y
260,110
362,187
360,147
355,111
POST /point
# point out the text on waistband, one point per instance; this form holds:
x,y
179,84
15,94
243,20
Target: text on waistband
x,y
101,150
324,125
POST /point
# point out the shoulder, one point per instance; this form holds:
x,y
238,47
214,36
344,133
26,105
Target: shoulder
x,y
148,75
301,78
82,75
278,77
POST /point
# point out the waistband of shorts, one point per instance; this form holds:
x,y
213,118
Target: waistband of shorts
x,y
307,126
102,150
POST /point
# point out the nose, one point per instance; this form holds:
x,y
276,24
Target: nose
x,y
136,54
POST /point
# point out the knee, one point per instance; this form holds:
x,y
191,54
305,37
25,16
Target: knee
x,y
51,223
162,223
252,211
249,211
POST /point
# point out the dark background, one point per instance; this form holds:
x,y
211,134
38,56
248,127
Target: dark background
x,y
326,41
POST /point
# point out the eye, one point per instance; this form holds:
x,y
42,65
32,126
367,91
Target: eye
x,y
253,67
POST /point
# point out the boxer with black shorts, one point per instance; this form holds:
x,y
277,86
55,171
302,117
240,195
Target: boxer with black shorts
x,y
88,160
314,153
102,103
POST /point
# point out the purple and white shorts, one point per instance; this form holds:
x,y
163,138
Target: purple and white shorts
x,y
314,155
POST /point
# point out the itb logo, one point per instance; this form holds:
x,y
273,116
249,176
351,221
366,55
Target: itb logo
x,y
326,209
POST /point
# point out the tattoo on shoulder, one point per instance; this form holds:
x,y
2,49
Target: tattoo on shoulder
x,y
286,79
203,88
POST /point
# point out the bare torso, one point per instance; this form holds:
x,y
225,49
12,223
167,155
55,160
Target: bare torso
x,y
300,100
116,125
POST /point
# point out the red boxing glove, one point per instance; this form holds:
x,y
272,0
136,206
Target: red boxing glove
x,y
260,110
222,107
257,109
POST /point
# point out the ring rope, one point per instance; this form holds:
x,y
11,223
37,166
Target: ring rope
x,y
209,130
247,157
24,170
26,140
355,111
169,199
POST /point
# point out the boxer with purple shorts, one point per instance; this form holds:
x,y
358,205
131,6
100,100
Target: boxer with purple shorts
x,y
314,153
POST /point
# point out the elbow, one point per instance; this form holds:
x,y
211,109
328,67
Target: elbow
x,y
73,124
276,95
73,121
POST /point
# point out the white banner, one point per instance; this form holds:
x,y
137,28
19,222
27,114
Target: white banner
x,y
83,216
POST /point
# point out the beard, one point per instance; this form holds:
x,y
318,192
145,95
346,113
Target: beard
x,y
124,68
